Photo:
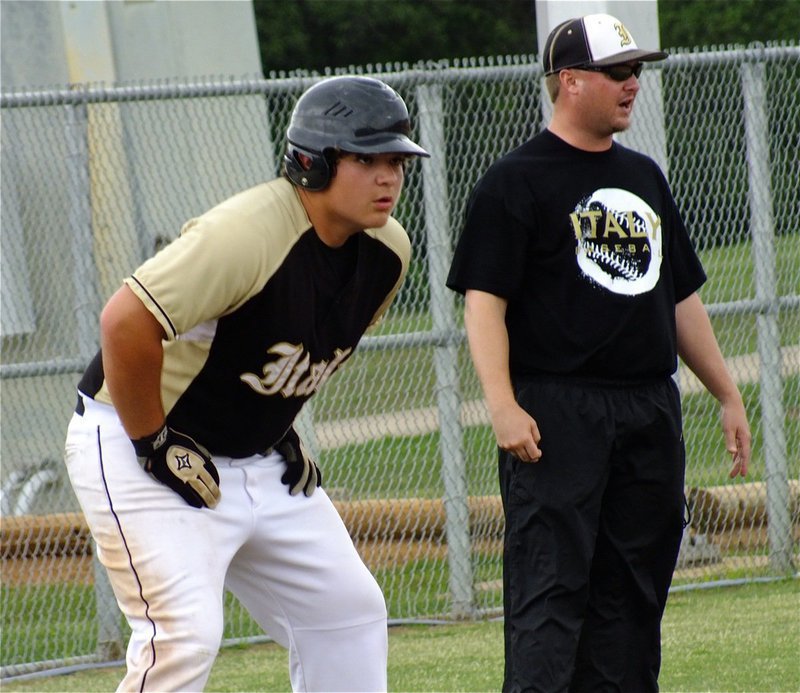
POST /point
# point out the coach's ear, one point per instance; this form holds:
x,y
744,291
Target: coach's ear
x,y
568,80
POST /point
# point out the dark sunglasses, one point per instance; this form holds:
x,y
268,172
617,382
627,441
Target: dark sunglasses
x,y
619,73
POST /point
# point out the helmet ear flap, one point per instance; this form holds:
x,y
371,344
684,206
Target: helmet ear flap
x,y
314,176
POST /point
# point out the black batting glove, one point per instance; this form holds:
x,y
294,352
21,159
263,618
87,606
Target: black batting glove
x,y
302,473
177,461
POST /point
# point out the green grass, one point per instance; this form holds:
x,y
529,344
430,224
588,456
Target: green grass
x,y
733,639
731,277
46,622
707,462
731,269
743,638
405,378
409,466
49,623
394,467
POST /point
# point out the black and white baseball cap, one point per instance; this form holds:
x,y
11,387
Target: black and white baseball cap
x,y
594,40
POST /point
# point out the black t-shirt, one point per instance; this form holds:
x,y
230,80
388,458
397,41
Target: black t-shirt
x,y
591,253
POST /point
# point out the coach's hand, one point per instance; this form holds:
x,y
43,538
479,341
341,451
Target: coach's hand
x,y
302,473
177,461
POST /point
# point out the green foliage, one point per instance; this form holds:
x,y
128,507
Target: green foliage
x,y
319,34
723,22
315,34
709,153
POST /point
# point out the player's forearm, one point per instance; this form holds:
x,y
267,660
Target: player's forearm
x,y
132,357
699,350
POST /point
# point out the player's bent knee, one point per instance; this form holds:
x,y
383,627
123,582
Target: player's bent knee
x,y
187,637
168,667
351,598
367,601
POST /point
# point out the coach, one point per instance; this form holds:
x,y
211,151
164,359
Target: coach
x,y
581,291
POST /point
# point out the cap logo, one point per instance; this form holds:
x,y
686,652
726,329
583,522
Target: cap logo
x,y
624,37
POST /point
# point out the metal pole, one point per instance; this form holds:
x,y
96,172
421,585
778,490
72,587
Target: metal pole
x,y
771,392
80,227
429,99
110,643
109,632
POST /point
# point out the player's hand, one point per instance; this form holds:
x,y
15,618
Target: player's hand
x,y
177,461
302,473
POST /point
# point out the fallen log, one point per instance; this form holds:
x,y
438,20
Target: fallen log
x,y
724,508
396,519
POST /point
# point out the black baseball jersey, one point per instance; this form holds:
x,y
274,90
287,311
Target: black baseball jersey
x,y
258,313
591,253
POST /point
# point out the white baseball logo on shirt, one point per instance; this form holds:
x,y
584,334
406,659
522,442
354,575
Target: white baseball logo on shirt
x,y
618,241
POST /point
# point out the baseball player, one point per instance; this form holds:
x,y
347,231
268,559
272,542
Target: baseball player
x,y
581,292
182,450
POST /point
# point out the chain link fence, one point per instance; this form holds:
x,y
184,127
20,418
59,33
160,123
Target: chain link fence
x,y
95,179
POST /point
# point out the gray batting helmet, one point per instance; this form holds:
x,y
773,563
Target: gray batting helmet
x,y
361,115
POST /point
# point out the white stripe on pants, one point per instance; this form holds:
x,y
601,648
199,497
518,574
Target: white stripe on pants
x,y
288,559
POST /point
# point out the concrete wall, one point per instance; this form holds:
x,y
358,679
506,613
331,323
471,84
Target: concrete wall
x,y
87,192
51,42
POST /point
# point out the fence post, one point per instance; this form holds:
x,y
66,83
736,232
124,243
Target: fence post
x,y
429,100
762,229
109,633
110,643
84,276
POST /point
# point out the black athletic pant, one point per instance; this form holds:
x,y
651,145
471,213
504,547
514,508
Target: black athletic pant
x,y
592,535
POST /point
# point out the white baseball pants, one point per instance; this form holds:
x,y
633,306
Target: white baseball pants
x,y
288,559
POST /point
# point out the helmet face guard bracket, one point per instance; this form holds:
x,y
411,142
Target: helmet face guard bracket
x,y
315,176
360,115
